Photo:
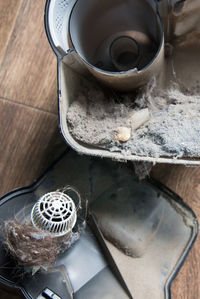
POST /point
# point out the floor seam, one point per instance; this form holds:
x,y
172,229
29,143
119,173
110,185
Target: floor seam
x,y
27,106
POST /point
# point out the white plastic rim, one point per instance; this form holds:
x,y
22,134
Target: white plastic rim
x,y
58,17
55,213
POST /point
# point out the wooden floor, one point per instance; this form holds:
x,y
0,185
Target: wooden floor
x,y
29,124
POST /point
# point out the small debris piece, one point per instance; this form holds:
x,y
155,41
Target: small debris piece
x,y
123,134
139,118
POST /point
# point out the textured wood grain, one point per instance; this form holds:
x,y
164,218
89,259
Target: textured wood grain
x,y
8,14
27,139
5,295
28,68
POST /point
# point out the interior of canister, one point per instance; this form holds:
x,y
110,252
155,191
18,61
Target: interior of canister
x,y
96,27
124,53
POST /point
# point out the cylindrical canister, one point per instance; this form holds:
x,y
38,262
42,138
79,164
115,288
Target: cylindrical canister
x,y
120,41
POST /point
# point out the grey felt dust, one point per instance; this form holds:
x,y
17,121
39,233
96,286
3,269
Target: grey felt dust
x,y
173,129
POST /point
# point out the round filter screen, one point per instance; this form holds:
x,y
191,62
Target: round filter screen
x,y
54,212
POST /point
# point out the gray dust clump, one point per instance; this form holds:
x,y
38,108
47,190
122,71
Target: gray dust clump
x,y
94,117
173,129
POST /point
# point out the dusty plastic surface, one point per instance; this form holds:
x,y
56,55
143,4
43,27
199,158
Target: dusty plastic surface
x,y
142,229
164,232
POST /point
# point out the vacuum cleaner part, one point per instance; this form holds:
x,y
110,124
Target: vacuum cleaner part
x,y
158,229
38,233
171,132
120,42
54,212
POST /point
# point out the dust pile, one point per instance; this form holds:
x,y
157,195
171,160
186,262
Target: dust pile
x,y
172,130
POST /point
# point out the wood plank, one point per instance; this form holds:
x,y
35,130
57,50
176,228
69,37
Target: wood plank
x,y
185,181
6,295
28,140
28,70
8,13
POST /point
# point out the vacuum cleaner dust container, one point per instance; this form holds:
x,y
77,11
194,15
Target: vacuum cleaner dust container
x,y
116,58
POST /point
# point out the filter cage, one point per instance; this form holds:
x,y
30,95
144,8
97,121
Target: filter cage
x,y
54,212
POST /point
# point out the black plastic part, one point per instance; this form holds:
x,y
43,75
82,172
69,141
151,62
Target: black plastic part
x,y
81,172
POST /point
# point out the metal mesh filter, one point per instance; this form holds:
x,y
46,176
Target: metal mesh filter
x,y
58,16
54,212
